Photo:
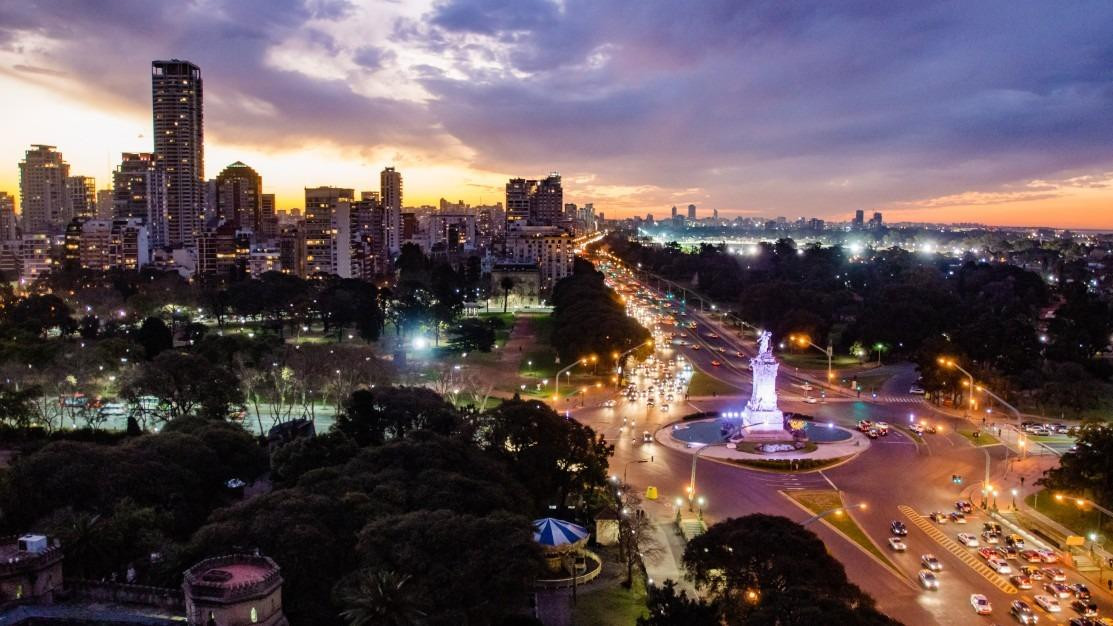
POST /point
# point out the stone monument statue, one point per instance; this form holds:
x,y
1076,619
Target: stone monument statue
x,y
762,419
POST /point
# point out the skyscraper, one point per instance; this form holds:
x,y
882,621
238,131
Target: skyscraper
x,y
518,192
859,218
674,211
691,212
546,202
81,197
9,230
179,145
239,197
390,193
140,187
42,190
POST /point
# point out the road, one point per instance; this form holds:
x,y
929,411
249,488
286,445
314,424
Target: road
x,y
896,476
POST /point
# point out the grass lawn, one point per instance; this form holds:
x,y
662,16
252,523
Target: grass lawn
x,y
813,360
818,501
614,605
983,439
1081,521
704,385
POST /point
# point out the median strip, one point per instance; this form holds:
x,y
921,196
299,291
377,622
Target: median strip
x,y
954,548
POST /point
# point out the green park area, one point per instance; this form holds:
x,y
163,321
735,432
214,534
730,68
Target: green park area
x,y
1079,520
613,605
978,437
820,501
706,385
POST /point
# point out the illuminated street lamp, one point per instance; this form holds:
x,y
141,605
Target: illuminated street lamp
x,y
804,341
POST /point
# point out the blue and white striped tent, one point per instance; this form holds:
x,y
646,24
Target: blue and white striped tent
x,y
554,533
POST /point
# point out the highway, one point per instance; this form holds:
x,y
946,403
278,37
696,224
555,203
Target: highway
x,y
899,477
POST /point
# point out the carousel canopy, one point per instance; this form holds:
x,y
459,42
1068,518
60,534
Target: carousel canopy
x,y
555,533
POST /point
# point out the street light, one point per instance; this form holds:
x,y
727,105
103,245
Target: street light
x,y
627,466
839,510
556,386
804,341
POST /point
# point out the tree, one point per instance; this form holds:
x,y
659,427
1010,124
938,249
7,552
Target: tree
x,y
155,337
17,406
1087,470
506,283
188,385
555,458
293,460
473,334
669,608
378,598
374,416
766,569
636,539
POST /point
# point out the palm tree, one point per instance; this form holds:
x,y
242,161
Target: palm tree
x,y
379,598
507,283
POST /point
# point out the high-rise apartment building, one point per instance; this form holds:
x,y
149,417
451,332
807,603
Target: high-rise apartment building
x,y
859,219
390,194
547,202
42,190
691,212
674,211
268,228
179,145
81,197
239,197
518,193
9,228
140,186
328,230
106,203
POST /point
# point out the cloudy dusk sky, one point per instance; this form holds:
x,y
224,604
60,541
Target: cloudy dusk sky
x,y
981,111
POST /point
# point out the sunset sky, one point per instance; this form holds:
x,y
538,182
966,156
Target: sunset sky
x,y
995,112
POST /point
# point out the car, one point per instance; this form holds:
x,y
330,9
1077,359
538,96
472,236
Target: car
x,y
1031,572
695,346
1080,591
1085,608
999,565
811,400
1058,590
968,540
664,408
1023,612
964,506
1020,581
897,544
647,437
864,425
739,354
1030,556
609,404
872,433
928,579
649,402
992,527
1007,552
1048,556
958,517
1014,540
1047,603
931,429
931,562
716,363
1088,621
897,527
916,428
712,336
989,537
938,517
981,604
916,389
1054,574
987,553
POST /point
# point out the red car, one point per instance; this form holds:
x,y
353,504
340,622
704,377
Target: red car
x,y
716,363
987,553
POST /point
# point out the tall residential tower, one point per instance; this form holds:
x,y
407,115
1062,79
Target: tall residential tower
x,y
179,145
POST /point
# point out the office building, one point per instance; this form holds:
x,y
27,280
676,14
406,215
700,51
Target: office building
x,y
328,230
9,228
140,187
177,103
239,197
81,197
42,190
390,194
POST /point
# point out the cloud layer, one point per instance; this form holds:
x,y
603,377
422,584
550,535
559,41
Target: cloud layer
x,y
783,108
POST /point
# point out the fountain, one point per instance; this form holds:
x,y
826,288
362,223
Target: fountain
x,y
762,420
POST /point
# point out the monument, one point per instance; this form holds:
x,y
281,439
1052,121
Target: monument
x,y
762,419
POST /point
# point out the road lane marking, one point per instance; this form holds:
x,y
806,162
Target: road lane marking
x,y
954,548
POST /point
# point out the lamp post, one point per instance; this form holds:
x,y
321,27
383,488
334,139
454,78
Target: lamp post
x,y
805,341
556,386
951,363
695,457
837,510
627,466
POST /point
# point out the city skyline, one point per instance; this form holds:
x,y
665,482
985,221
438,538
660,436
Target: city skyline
x,y
960,122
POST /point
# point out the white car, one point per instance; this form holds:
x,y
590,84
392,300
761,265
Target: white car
x,y
968,540
928,579
999,565
981,604
1047,603
896,544
811,400
609,404
931,562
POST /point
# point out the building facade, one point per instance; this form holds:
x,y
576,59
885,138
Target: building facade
x,y
328,230
551,249
177,103
42,190
140,187
81,196
239,197
390,194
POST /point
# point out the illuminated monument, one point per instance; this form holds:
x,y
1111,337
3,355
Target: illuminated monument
x,y
762,419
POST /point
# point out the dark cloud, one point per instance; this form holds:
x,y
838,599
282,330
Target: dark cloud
x,y
372,57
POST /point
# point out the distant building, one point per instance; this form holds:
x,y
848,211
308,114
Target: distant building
x,y
268,224
692,212
876,221
223,251
81,197
106,203
239,197
390,194
35,255
534,202
674,211
140,189
551,249
859,219
42,190
328,230
177,112
292,249
9,225
103,245
452,231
